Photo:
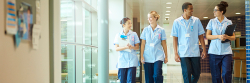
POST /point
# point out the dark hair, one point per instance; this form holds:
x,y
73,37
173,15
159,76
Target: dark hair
x,y
124,20
223,6
185,5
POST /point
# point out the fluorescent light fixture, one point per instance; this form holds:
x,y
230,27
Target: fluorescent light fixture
x,y
205,17
166,17
168,7
169,3
167,11
237,13
167,14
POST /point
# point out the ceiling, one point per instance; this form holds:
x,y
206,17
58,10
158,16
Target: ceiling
x,y
202,8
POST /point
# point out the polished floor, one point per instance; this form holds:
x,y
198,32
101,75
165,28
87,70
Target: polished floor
x,y
173,75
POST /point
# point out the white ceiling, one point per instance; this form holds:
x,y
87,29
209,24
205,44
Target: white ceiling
x,y
202,8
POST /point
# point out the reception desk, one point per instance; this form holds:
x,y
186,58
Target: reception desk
x,y
241,53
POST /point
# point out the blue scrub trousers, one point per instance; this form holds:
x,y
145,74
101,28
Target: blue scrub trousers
x,y
190,67
127,75
216,63
153,72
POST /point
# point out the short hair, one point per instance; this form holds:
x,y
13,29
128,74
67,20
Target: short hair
x,y
185,5
155,14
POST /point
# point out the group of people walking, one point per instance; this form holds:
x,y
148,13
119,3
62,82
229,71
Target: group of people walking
x,y
187,32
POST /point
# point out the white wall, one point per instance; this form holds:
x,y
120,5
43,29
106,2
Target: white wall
x,y
116,13
22,64
129,12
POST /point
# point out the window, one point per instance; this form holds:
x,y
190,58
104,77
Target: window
x,y
78,42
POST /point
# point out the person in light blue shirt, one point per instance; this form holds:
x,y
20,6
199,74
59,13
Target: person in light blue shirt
x,y
153,49
187,30
127,61
220,54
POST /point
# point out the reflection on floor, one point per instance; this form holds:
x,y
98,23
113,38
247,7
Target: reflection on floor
x,y
172,74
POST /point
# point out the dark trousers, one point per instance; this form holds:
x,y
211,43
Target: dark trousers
x,y
216,63
153,72
127,75
190,67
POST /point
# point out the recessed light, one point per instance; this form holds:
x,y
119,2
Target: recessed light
x,y
205,17
167,11
167,14
237,13
166,17
168,7
169,3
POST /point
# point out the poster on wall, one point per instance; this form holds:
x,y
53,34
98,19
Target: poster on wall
x,y
24,23
28,20
35,36
11,23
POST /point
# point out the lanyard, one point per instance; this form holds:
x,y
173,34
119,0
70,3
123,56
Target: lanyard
x,y
187,28
186,25
152,33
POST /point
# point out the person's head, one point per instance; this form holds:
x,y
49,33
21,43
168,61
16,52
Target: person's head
x,y
153,17
220,9
187,8
126,23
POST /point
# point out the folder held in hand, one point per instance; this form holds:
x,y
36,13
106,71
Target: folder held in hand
x,y
124,42
229,31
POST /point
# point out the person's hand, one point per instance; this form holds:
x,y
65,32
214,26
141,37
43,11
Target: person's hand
x,y
142,60
166,60
131,47
177,57
127,47
203,54
225,36
221,37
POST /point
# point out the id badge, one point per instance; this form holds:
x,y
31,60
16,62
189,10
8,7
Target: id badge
x,y
152,44
187,35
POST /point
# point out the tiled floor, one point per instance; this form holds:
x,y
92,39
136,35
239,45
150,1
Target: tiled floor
x,y
172,74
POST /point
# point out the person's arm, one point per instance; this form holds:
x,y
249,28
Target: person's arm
x,y
204,52
232,38
117,48
136,47
142,50
177,57
209,32
136,41
212,37
164,45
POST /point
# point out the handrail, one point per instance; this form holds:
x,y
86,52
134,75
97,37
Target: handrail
x,y
72,43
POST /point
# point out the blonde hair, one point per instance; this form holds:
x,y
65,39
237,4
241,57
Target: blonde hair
x,y
155,14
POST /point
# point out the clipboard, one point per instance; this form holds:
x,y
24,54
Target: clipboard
x,y
229,31
123,43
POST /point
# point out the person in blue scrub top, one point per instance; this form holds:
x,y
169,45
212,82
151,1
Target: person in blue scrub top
x,y
187,31
220,54
153,49
127,61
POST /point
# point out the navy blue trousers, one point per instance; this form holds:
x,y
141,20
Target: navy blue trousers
x,y
153,72
216,63
190,67
127,75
